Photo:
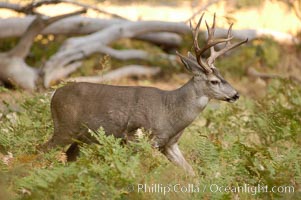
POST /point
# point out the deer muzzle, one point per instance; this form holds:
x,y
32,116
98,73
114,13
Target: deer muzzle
x,y
233,98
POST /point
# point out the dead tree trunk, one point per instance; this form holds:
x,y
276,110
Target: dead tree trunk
x,y
13,68
80,25
69,57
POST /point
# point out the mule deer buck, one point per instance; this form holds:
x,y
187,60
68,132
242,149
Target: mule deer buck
x,y
121,110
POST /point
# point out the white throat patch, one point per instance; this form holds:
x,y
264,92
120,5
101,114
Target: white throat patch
x,y
202,101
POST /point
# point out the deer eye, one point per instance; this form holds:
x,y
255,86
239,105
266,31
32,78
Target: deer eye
x,y
214,82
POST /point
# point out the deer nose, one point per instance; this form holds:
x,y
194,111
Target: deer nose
x,y
236,96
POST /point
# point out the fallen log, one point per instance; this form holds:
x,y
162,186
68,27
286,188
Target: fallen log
x,y
126,71
79,25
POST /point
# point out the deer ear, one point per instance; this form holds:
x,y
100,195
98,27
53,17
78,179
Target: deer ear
x,y
190,64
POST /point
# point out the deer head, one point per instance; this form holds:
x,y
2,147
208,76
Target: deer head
x,y
206,76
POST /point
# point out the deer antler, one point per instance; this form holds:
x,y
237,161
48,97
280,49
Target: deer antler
x,y
228,46
210,43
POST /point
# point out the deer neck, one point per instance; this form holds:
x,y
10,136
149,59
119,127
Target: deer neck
x,y
186,102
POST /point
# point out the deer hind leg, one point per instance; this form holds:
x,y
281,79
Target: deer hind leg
x,y
173,153
58,139
73,152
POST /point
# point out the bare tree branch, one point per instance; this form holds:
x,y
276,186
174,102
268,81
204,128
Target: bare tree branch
x,y
30,7
124,54
126,71
14,27
253,72
252,34
22,48
79,25
127,30
13,68
165,39
64,72
11,6
77,48
86,6
56,18
15,71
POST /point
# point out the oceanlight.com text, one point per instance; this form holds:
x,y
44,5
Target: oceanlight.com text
x,y
212,188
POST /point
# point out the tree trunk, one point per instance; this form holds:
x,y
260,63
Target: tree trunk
x,y
75,49
13,68
78,25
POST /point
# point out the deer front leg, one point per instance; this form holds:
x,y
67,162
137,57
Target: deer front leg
x,y
174,154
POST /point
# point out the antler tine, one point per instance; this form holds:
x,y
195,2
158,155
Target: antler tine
x,y
228,46
211,30
213,24
213,53
197,50
229,34
211,41
195,34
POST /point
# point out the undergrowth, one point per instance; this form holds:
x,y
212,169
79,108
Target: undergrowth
x,y
247,144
